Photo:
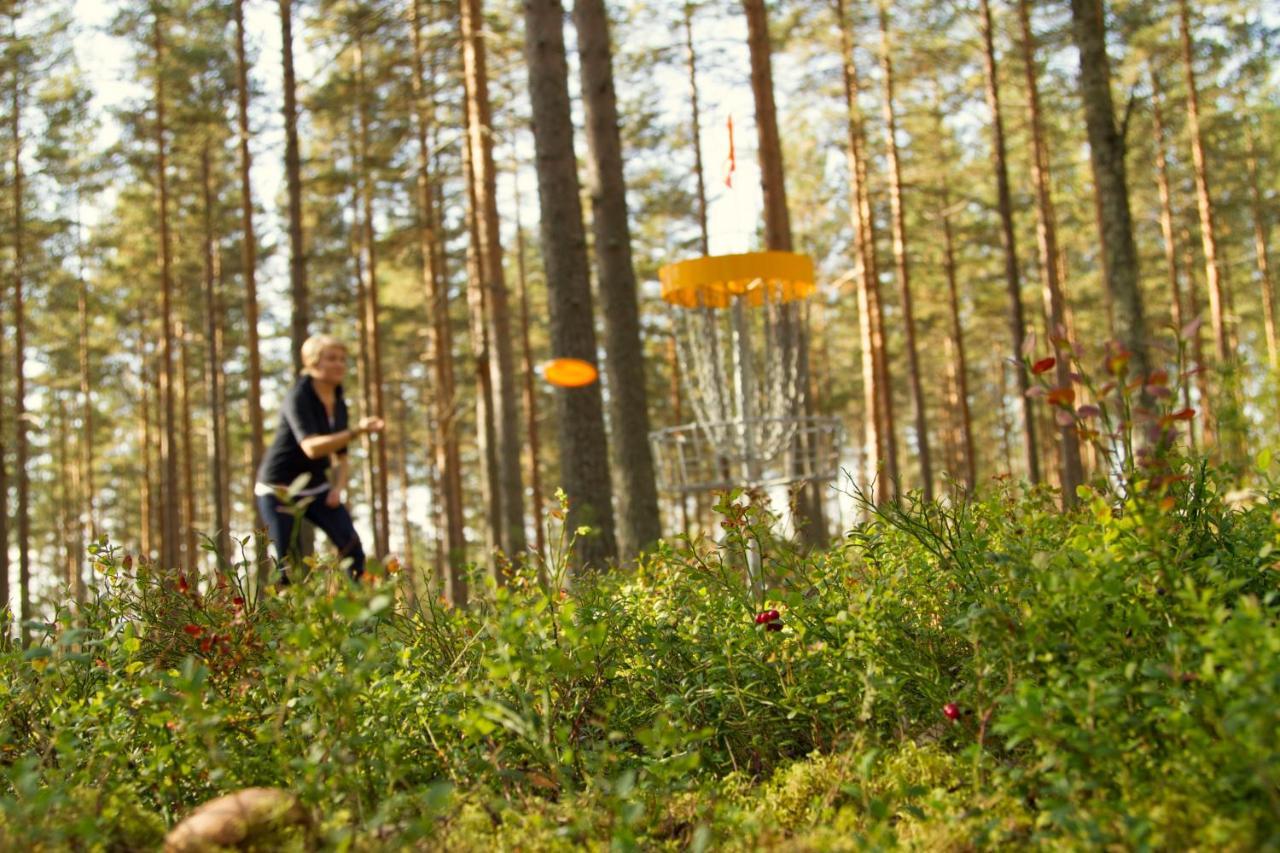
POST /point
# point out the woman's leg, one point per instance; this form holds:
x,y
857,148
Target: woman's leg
x,y
280,523
337,525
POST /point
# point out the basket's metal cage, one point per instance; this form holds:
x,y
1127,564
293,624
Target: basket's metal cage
x,y
687,460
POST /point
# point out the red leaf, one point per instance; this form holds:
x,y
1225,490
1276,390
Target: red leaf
x,y
193,630
1044,365
183,586
1183,415
1088,411
1158,377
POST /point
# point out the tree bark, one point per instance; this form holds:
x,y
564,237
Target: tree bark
x,y
1106,153
637,493
877,388
1214,269
189,561
21,460
1013,279
486,411
530,395
584,450
170,503
382,515
502,362
1166,205
301,316
695,128
1260,250
249,252
217,447
1207,419
434,283
5,407
961,366
777,237
1055,304
900,256
87,512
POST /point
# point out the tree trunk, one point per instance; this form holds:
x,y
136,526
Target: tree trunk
x,y
777,237
961,366
5,408
530,396
1106,153
695,129
189,554
20,358
1017,323
637,493
486,430
506,419
87,512
435,286
222,412
249,250
146,509
363,359
402,474
170,501
1055,305
1207,412
900,257
1260,229
1166,205
1214,269
584,453
382,515
301,317
213,367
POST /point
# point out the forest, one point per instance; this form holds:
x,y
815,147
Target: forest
x,y
962,535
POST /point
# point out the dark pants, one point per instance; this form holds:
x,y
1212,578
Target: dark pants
x,y
334,521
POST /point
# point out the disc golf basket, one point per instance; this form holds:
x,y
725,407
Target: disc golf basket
x,y
738,343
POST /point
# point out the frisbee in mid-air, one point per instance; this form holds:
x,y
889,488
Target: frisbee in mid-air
x,y
569,372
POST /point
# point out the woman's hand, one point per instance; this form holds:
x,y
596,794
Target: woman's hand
x,y
370,425
333,499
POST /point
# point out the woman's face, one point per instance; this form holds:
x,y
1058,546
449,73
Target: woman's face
x,y
332,366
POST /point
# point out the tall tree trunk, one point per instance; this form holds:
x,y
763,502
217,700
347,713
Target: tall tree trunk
x,y
20,358
637,493
189,553
435,286
900,256
223,410
382,516
1055,304
1013,279
147,495
486,411
213,366
777,237
88,513
5,408
961,366
530,395
506,419
1208,415
170,542
1214,269
1166,205
301,316
249,249
1260,229
1106,153
695,128
364,362
402,475
65,496
584,452
877,387
700,185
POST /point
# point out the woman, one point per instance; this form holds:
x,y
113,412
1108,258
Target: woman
x,y
312,440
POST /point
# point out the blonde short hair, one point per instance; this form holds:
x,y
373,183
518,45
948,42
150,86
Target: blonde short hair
x,y
313,348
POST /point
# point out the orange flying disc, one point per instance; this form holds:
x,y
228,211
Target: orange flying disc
x,y
569,372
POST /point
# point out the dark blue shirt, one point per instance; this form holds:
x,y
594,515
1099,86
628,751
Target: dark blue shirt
x,y
301,416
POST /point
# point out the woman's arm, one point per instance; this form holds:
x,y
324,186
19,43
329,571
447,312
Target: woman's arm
x,y
317,446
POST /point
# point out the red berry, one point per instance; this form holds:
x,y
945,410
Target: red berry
x,y
951,711
773,626
764,617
